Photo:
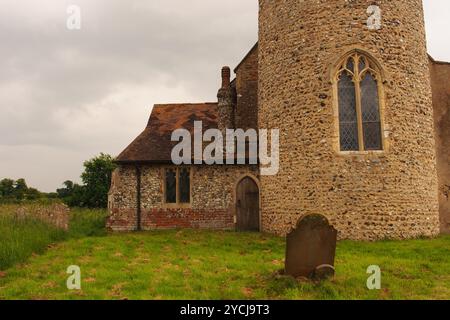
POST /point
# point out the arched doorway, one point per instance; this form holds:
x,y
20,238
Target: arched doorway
x,y
247,205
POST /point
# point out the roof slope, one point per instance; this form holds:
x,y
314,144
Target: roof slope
x,y
437,61
154,144
255,47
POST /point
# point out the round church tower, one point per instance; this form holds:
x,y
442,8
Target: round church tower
x,y
348,85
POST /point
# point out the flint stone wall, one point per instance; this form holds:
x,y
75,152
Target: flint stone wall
x,y
55,214
370,196
212,204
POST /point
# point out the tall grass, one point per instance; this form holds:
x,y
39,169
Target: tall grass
x,y
22,237
87,223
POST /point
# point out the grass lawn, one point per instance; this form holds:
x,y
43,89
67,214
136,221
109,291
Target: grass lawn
x,y
224,265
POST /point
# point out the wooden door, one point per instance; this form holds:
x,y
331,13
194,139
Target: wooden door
x,y
247,205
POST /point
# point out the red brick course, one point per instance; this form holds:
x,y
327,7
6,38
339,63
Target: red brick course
x,y
171,219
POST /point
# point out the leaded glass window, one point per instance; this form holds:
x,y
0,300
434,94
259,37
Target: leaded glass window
x,y
185,186
347,114
171,186
359,104
177,186
370,113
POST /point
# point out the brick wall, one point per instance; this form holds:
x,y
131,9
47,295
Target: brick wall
x,y
440,83
366,196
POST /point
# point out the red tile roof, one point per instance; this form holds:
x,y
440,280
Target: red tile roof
x,y
154,144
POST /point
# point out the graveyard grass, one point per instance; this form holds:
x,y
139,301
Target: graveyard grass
x,y
192,264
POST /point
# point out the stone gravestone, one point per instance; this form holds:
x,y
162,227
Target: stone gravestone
x,y
311,248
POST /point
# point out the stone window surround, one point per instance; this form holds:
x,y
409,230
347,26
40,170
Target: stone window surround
x,y
381,80
177,171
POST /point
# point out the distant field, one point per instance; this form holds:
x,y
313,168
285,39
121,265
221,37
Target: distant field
x,y
224,265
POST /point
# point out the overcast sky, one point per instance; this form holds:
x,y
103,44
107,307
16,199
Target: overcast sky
x,y
66,96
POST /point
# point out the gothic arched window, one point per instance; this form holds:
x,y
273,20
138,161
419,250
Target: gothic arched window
x,y
358,82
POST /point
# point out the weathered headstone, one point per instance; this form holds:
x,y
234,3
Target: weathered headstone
x,y
311,248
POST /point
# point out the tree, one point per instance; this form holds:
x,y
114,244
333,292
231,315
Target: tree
x,y
20,189
7,188
77,197
97,180
33,194
69,185
67,190
72,194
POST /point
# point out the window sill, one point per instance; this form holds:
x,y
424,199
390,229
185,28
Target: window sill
x,y
177,205
375,153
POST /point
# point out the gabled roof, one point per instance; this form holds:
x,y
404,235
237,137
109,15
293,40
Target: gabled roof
x,y
255,47
437,61
154,144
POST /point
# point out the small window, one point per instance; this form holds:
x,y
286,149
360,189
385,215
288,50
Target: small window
x,y
358,87
347,114
370,113
177,187
184,186
171,186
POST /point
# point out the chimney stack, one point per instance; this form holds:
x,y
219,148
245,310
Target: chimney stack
x,y
226,77
226,101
